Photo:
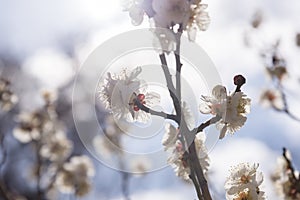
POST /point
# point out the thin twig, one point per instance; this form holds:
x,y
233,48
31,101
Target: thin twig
x,y
286,107
157,113
295,187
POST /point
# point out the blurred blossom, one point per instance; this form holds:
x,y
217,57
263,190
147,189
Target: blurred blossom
x,y
135,9
104,146
232,109
257,19
140,165
177,157
30,126
7,98
244,182
36,125
286,186
278,72
272,98
57,148
119,93
75,176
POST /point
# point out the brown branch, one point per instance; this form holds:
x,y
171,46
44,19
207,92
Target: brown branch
x,y
199,172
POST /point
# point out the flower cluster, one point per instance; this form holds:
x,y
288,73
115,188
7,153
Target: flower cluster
x,y
231,109
7,98
243,183
189,15
75,176
43,128
177,154
286,179
119,93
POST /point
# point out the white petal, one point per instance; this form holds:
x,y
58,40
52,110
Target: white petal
x,y
152,99
135,73
192,33
219,92
204,108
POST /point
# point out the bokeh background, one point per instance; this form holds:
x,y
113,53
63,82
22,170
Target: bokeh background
x,y
43,44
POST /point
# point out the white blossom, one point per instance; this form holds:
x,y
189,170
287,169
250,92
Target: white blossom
x,y
119,93
165,14
177,158
199,18
135,9
231,109
75,176
244,182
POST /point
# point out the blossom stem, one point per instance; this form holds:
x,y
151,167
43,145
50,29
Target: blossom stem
x,y
207,123
157,113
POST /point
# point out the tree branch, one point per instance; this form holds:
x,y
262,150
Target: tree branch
x,y
178,66
206,124
199,171
170,85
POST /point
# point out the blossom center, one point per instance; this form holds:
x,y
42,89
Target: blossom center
x,y
141,99
245,179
